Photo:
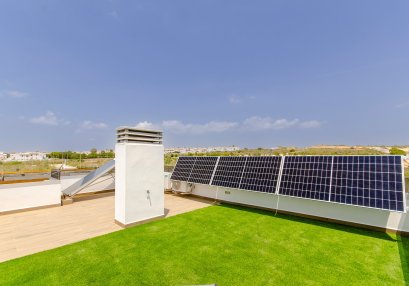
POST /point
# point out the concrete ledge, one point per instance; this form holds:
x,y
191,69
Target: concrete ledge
x,y
29,209
95,195
139,222
318,218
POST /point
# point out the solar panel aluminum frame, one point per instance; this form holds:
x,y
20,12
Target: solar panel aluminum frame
x,y
214,170
280,175
405,207
242,172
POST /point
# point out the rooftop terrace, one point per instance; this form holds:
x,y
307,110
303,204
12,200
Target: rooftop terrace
x,y
226,245
34,231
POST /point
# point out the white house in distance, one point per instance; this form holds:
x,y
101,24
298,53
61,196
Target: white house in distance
x,y
185,150
23,156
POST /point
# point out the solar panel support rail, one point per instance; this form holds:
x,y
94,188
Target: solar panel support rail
x,y
405,207
214,171
280,175
242,173
330,179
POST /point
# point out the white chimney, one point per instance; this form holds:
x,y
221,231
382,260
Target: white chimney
x,y
139,172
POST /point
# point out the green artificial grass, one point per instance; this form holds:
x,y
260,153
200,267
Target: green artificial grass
x,y
225,245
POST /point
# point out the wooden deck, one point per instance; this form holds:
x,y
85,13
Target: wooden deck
x,y
30,232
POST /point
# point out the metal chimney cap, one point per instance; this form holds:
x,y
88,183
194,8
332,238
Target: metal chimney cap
x,y
128,134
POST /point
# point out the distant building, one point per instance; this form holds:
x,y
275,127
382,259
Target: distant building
x,y
3,156
26,156
202,150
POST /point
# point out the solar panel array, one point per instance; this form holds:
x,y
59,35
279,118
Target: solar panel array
x,y
366,181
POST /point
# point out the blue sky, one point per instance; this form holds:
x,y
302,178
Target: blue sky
x,y
210,73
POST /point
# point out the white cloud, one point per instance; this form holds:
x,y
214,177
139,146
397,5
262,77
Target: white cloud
x,y
235,99
284,123
267,123
255,123
49,118
13,93
89,125
310,124
403,104
176,126
179,127
146,125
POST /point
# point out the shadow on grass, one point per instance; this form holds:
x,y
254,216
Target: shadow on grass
x,y
331,225
403,244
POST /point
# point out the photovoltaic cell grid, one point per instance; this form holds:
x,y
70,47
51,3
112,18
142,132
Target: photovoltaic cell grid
x,y
202,170
369,181
306,177
261,174
229,172
183,169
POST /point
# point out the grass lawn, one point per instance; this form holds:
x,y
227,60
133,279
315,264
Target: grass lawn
x,y
225,245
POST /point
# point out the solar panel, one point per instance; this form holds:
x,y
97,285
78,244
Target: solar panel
x,y
369,181
261,174
202,170
229,172
306,177
183,169
89,179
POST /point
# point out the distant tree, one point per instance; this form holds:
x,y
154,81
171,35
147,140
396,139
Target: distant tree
x,y
94,150
397,151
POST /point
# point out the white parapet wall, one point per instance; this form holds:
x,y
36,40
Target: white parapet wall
x,y
373,218
26,196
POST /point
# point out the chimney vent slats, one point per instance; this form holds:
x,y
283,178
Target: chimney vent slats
x,y
135,135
